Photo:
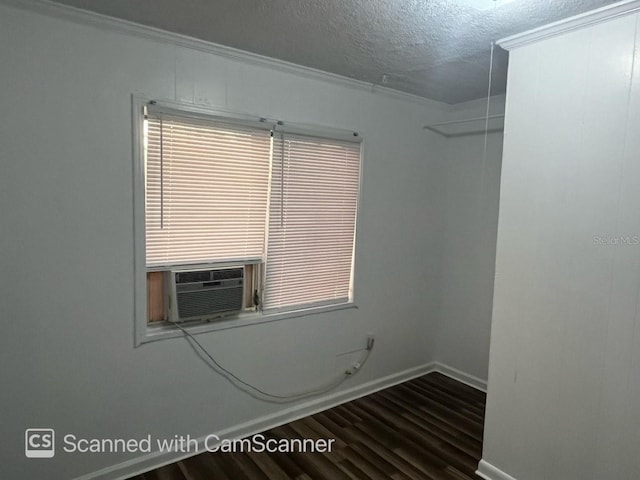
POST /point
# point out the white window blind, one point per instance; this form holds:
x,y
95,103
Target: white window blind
x,y
206,190
312,217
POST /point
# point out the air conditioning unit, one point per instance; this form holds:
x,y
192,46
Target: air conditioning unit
x,y
205,294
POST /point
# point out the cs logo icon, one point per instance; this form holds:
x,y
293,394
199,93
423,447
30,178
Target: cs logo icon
x,y
39,443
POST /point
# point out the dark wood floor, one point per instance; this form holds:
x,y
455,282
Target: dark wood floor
x,y
428,428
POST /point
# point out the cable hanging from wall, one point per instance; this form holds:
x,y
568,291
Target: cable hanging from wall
x,y
261,394
484,124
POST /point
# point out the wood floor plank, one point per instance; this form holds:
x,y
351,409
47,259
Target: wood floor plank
x,y
458,474
363,451
432,395
269,466
287,465
322,431
337,418
462,445
385,454
248,466
348,413
194,469
445,413
460,389
453,397
431,442
213,462
456,403
352,470
429,428
454,437
231,468
427,416
304,430
335,429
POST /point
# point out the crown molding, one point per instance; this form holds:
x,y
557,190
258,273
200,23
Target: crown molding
x,y
105,22
583,20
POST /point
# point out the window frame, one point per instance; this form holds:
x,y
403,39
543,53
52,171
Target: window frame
x,y
144,331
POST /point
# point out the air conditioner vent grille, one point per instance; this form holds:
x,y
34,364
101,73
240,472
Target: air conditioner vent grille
x,y
206,294
208,275
226,273
191,277
201,304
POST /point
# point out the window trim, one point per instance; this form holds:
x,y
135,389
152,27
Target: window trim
x,y
145,333
164,331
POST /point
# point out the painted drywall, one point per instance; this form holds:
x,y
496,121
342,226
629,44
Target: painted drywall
x,y
564,373
67,356
471,217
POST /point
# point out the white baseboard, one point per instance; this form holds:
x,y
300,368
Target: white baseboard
x,y
462,377
158,459
489,472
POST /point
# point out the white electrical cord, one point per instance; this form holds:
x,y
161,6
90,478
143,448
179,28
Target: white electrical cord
x,y
486,118
269,397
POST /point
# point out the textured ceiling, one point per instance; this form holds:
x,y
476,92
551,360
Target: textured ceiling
x,y
438,49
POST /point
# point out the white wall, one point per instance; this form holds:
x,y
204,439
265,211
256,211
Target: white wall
x,y
471,218
67,359
564,375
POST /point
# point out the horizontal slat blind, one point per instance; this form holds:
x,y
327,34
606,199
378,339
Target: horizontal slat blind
x,y
206,191
312,215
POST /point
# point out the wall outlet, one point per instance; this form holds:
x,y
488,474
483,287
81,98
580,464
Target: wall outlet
x,y
371,339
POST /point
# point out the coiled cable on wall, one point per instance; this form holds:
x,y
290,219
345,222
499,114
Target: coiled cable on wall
x,y
270,397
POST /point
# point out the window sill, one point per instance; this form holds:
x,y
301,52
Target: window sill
x,y
166,330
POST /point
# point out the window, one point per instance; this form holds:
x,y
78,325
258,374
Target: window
x,y
278,203
312,214
206,191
